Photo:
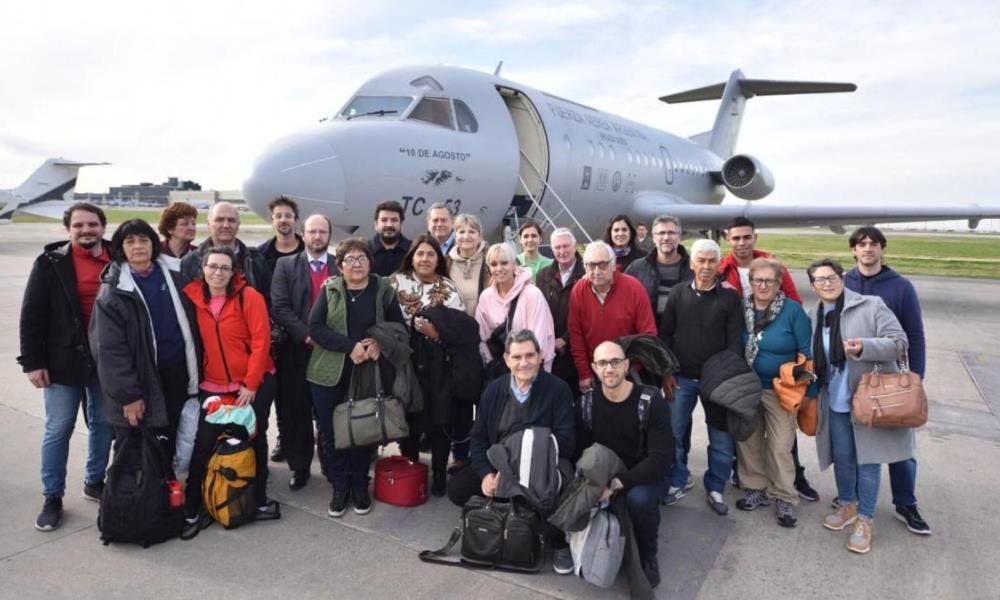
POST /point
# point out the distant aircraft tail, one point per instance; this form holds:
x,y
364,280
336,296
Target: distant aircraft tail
x,y
53,182
734,94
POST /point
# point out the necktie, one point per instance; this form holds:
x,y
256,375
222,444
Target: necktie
x,y
316,265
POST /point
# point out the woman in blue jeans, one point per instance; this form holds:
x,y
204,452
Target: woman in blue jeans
x,y
338,330
851,335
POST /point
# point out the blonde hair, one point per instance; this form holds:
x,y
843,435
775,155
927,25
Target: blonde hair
x,y
472,221
503,251
768,263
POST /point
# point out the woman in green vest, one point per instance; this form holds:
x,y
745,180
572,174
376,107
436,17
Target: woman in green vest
x,y
348,305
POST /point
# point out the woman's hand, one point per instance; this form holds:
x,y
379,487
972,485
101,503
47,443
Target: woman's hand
x,y
244,396
853,347
372,349
359,354
134,412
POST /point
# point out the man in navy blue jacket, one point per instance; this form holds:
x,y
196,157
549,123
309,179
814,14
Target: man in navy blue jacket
x,y
872,278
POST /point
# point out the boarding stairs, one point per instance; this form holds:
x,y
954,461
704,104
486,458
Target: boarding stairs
x,y
535,212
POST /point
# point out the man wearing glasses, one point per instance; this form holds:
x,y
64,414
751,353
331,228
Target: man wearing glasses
x,y
666,265
603,306
633,421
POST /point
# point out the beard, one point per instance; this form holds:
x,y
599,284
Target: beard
x,y
388,236
88,243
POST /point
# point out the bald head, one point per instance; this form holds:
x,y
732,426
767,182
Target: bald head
x,y
223,224
610,365
316,234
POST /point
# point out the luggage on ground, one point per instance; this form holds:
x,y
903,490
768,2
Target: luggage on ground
x,y
400,482
599,549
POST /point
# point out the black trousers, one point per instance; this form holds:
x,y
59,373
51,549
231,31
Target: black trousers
x,y
173,382
294,407
436,435
207,438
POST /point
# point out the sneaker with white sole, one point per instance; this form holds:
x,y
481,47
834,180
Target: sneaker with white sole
x,y
752,500
842,517
914,522
861,538
51,515
676,493
717,503
562,561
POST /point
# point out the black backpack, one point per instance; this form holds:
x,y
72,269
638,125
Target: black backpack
x,y
135,505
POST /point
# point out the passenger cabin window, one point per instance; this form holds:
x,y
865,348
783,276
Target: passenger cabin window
x,y
434,110
376,107
466,120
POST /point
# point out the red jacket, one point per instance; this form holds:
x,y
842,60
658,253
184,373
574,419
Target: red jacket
x,y
238,344
626,311
729,273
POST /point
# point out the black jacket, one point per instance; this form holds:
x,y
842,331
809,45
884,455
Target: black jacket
x,y
696,325
557,295
53,334
433,363
270,253
291,300
460,337
549,405
646,272
255,269
730,394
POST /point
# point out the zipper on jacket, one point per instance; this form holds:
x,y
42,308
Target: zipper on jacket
x,y
222,351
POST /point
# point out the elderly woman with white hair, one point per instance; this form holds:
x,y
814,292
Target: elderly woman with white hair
x,y
511,303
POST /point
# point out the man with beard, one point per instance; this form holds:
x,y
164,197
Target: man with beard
x,y
298,281
223,225
666,265
388,246
55,353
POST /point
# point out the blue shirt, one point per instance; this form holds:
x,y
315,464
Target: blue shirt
x,y
520,396
838,388
780,342
166,329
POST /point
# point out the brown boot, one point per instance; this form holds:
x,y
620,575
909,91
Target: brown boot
x,y
842,517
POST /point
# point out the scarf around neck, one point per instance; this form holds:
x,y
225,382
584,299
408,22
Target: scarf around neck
x,y
755,327
837,357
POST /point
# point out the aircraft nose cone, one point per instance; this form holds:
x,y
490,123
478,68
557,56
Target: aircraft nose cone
x,y
302,167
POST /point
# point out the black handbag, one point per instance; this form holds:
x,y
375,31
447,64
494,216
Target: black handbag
x,y
495,534
362,422
497,343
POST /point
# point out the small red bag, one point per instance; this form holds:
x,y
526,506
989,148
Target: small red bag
x,y
400,482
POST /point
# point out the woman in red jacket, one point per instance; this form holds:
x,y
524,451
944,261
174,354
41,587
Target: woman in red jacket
x,y
235,333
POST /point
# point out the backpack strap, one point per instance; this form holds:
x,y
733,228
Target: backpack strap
x,y
645,399
439,556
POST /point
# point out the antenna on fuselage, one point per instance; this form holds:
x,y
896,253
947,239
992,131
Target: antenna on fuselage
x,y
496,71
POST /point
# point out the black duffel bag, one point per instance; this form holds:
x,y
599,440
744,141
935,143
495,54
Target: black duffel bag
x,y
495,534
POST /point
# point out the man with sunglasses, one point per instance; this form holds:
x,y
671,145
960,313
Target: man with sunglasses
x,y
603,306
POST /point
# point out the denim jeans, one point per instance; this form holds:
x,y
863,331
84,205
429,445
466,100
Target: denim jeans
x,y
62,404
643,503
721,447
903,479
855,483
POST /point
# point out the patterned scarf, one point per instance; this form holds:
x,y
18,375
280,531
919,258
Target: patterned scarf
x,y
755,327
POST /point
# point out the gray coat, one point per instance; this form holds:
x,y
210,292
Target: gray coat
x,y
869,319
124,345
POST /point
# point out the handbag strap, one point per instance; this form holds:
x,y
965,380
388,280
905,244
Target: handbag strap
x,y
904,360
438,556
352,391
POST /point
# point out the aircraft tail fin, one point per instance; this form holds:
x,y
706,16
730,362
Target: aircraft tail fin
x,y
734,94
54,180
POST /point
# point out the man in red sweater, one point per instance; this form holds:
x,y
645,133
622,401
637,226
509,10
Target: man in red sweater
x,y
603,306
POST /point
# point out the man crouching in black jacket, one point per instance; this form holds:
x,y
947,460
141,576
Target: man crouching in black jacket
x,y
528,397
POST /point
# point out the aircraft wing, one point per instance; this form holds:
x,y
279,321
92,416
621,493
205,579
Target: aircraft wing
x,y
708,216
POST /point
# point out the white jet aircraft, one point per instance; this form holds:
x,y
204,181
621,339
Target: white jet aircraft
x,y
504,152
47,192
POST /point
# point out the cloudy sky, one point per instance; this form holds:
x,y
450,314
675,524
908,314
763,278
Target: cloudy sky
x,y
196,89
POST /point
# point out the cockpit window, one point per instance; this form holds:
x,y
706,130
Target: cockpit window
x,y
466,120
376,107
427,82
434,110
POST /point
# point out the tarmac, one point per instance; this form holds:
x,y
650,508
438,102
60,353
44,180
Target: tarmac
x,y
743,555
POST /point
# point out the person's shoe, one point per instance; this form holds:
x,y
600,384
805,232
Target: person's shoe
x,y
439,484
914,522
786,514
676,493
338,506
456,466
278,453
93,491
362,501
842,517
717,504
752,500
861,538
651,567
806,491
51,514
298,480
734,479
835,503
562,561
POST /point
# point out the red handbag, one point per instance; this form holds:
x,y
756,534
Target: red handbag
x,y
400,482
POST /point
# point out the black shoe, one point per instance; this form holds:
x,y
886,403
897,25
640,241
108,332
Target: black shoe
x,y
362,501
93,491
51,514
651,567
439,485
278,453
914,522
298,480
457,466
806,491
338,506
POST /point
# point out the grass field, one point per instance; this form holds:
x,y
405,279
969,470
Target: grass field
x,y
120,215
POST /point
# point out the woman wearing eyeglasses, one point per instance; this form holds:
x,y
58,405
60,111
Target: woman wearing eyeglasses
x,y
851,335
776,329
236,335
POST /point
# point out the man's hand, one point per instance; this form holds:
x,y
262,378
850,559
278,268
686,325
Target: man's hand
x,y
853,347
134,412
39,378
586,384
560,345
244,396
359,354
489,485
605,495
668,384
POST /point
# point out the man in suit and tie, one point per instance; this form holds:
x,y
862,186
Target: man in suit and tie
x,y
298,281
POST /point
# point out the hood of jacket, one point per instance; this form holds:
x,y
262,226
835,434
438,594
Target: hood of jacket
x,y
522,277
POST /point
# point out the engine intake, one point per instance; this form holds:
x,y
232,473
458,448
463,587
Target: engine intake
x,y
747,177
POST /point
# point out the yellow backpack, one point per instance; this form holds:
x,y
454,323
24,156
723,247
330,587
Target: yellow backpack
x,y
230,480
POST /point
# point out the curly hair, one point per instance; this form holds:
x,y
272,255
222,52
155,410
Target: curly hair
x,y
173,213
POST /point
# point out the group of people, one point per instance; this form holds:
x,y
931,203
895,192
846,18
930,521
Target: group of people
x,y
134,327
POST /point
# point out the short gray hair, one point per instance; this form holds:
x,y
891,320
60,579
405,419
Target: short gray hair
x,y
519,337
706,245
438,205
561,231
600,245
668,219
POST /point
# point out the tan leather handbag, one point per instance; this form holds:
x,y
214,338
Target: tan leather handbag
x,y
890,399
791,383
808,416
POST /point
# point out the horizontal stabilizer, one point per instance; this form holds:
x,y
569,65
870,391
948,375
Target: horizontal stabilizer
x,y
759,87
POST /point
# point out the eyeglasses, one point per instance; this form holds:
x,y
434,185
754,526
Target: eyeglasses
x,y
825,280
597,266
220,268
758,281
611,362
355,261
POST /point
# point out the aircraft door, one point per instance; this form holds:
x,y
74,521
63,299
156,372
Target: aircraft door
x,y
668,165
533,147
